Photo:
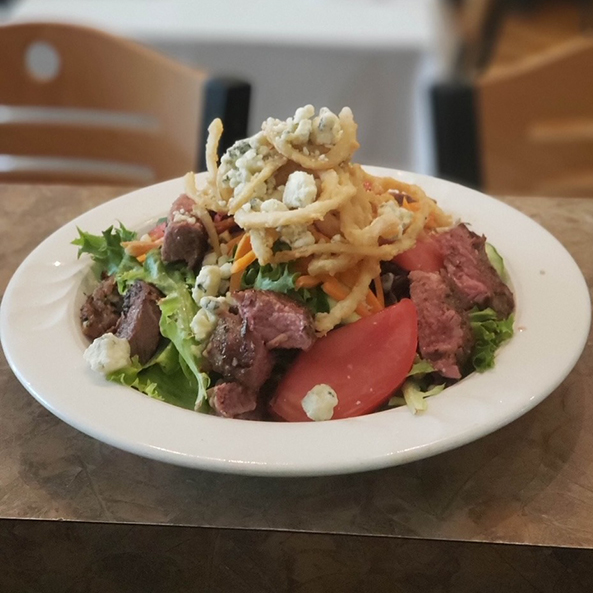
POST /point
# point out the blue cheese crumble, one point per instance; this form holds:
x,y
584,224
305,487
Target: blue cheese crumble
x,y
319,403
304,128
107,354
300,190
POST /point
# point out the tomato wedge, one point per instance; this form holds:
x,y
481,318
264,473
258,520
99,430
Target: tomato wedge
x,y
363,362
158,232
424,256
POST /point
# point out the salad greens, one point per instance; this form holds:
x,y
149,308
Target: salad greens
x,y
489,333
173,375
106,249
282,278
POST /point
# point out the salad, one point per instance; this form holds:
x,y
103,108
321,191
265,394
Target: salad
x,y
289,284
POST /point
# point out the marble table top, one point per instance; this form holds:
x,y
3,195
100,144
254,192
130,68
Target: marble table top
x,y
529,483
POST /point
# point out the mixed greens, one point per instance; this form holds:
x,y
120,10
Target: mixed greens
x,y
173,375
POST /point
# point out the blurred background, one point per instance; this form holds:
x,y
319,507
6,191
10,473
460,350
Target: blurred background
x,y
495,94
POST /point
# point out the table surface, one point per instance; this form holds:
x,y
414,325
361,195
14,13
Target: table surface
x,y
530,482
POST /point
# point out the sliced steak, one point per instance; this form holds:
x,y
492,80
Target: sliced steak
x,y
237,353
102,309
139,323
232,400
444,333
185,241
183,205
472,276
280,321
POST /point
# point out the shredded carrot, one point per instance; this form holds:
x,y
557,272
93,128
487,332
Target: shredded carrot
x,y
379,290
240,264
235,283
373,302
411,206
224,225
234,241
136,248
336,290
141,258
305,281
244,246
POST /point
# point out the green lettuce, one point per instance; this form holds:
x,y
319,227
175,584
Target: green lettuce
x,y
490,333
106,249
178,308
282,278
166,377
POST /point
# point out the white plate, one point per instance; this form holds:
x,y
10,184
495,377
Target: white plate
x,y
44,345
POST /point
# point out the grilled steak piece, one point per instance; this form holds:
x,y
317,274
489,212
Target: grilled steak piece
x,y
471,274
139,323
183,205
185,241
101,310
445,337
237,353
277,319
232,400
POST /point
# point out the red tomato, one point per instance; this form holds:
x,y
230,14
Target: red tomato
x,y
158,231
424,256
363,362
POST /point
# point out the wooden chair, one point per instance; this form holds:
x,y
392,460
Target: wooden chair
x,y
522,122
78,105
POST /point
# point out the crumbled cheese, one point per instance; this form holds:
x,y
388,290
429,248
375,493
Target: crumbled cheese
x,y
305,128
203,324
273,205
300,190
327,129
210,259
108,353
214,304
295,130
245,159
183,216
319,403
225,270
296,236
207,282
392,220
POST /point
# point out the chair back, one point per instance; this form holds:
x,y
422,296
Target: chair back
x,y
81,105
537,124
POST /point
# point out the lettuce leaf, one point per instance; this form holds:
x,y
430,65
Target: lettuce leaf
x,y
166,378
414,396
178,308
282,278
106,249
490,333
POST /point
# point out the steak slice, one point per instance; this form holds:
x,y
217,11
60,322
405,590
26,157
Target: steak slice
x,y
445,337
183,205
185,241
237,353
139,323
101,311
232,400
280,321
471,274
